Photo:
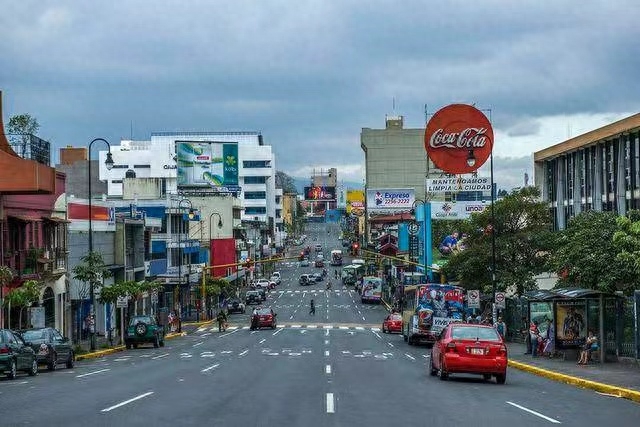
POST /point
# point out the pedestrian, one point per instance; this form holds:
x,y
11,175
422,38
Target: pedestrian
x,y
312,307
525,333
254,319
172,319
501,327
222,320
535,337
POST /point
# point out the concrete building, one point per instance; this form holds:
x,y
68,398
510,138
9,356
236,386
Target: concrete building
x,y
598,170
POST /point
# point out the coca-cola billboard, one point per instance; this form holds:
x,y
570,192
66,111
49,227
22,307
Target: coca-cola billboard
x,y
458,139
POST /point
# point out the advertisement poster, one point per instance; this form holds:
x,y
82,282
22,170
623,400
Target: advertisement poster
x,y
355,202
438,305
540,312
571,323
390,199
319,193
456,210
207,164
371,288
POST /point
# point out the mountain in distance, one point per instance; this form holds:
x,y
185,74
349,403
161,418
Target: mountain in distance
x,y
300,183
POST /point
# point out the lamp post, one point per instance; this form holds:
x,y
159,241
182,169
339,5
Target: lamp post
x,y
204,289
92,291
180,253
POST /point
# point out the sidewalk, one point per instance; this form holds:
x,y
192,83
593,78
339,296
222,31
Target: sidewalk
x,y
621,379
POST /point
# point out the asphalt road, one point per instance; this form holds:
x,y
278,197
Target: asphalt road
x,y
332,369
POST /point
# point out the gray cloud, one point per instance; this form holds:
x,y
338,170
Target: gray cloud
x,y
311,74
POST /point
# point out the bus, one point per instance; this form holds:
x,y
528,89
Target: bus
x,y
336,257
349,276
428,308
371,290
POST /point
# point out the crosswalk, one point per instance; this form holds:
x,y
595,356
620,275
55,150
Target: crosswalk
x,y
311,326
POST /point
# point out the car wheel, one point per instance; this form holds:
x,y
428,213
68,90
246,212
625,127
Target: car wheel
x,y
432,371
501,378
34,367
51,365
13,370
156,342
486,377
70,360
442,373
141,329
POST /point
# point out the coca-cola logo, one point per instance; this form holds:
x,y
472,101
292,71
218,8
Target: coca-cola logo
x,y
458,139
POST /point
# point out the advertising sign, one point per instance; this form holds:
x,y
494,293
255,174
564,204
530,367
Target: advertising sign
x,y
453,185
319,193
207,164
355,200
473,298
458,138
390,198
571,323
371,289
439,305
456,210
540,312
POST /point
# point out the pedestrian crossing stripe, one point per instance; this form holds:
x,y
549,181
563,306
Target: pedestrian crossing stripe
x,y
310,326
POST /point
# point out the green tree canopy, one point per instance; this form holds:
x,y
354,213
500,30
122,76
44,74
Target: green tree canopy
x,y
91,270
626,240
20,127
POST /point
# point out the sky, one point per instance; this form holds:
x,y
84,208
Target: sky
x,y
310,75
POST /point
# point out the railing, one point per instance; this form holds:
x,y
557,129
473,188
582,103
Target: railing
x,y
31,147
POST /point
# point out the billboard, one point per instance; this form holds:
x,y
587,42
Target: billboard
x,y
371,289
456,184
207,164
456,210
438,305
319,193
390,199
571,323
355,201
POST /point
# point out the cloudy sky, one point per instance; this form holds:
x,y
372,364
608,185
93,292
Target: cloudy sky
x,y
310,74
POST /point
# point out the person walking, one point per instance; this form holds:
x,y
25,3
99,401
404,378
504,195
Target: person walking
x,y
222,320
501,327
312,307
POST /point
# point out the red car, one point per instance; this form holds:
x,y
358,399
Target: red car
x,y
392,323
469,349
263,318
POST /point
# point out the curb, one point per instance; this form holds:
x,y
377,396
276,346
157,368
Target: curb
x,y
386,304
580,382
116,349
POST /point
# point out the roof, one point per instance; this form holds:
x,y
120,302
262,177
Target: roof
x,y
625,125
564,293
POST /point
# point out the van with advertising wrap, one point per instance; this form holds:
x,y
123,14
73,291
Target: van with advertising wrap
x,y
371,290
428,309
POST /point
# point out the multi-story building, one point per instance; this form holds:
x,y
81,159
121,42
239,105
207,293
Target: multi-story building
x,y
598,170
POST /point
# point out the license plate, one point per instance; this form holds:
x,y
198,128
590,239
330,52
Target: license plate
x,y
478,351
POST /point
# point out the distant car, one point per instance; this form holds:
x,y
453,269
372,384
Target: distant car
x,y
469,349
318,248
318,277
51,348
263,318
392,323
345,243
304,263
305,279
263,293
262,283
319,263
16,355
252,297
275,277
142,330
235,305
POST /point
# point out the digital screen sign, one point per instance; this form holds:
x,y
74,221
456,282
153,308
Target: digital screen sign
x,y
319,193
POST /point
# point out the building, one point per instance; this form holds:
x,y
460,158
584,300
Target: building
x,y
598,170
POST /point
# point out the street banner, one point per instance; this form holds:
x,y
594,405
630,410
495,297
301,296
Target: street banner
x,y
455,184
500,300
386,199
456,210
473,298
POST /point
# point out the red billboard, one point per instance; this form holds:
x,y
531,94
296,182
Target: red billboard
x,y
458,139
320,193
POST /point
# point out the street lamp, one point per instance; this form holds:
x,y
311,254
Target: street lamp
x,y
92,291
204,289
180,253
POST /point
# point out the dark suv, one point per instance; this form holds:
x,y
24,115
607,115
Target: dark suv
x,y
144,329
252,297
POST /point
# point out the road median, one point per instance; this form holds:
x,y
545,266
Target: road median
x,y
577,381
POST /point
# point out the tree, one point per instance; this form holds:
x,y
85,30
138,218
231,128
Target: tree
x,y
91,271
627,241
522,230
285,182
24,296
584,254
20,128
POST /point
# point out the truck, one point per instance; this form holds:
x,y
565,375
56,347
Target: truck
x,y
428,308
336,257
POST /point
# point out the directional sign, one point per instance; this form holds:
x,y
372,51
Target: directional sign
x,y
473,298
500,300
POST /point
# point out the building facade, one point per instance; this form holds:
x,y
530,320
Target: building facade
x,y
598,170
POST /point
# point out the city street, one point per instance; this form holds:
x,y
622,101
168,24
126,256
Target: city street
x,y
334,368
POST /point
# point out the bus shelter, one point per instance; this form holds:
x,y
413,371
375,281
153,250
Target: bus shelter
x,y
574,312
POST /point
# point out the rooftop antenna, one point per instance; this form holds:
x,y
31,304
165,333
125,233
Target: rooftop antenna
x,y
394,105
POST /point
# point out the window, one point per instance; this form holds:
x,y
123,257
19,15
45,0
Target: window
x,y
116,181
256,164
255,210
255,179
472,333
255,195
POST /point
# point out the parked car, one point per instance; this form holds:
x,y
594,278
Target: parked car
x,y
318,248
16,355
235,305
143,330
252,297
469,349
263,318
50,346
392,323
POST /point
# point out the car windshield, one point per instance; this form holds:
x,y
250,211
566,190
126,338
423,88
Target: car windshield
x,y
473,333
395,317
138,319
34,334
264,311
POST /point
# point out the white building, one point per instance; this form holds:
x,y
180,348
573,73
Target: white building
x,y
157,159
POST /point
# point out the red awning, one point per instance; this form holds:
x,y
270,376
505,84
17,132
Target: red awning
x,y
25,218
56,220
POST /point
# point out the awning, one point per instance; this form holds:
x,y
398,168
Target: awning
x,y
25,218
56,220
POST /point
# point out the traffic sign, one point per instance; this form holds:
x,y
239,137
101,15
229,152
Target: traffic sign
x,y
122,302
473,298
500,300
413,228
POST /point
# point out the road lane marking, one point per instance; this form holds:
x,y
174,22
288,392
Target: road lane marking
x,y
210,368
312,326
229,333
327,369
390,345
410,356
245,327
243,353
160,356
330,404
326,342
363,318
326,353
378,335
537,414
278,331
262,340
359,328
328,327
296,326
343,327
375,329
126,402
93,373
291,317
197,344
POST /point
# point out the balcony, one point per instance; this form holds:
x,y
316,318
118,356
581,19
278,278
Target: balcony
x,y
35,262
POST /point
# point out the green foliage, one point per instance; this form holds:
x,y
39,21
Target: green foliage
x,y
20,128
522,230
25,295
6,275
626,241
91,270
217,287
133,289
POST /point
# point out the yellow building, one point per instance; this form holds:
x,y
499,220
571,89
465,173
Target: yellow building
x,y
289,208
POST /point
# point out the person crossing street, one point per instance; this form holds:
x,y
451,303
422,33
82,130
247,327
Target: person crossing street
x,y
312,307
222,321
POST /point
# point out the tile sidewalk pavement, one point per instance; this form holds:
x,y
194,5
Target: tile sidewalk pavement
x,y
618,374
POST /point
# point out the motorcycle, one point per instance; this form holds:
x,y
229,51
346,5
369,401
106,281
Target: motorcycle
x,y
329,286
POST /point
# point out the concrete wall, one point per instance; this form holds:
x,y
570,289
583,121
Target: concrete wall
x,y
78,179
